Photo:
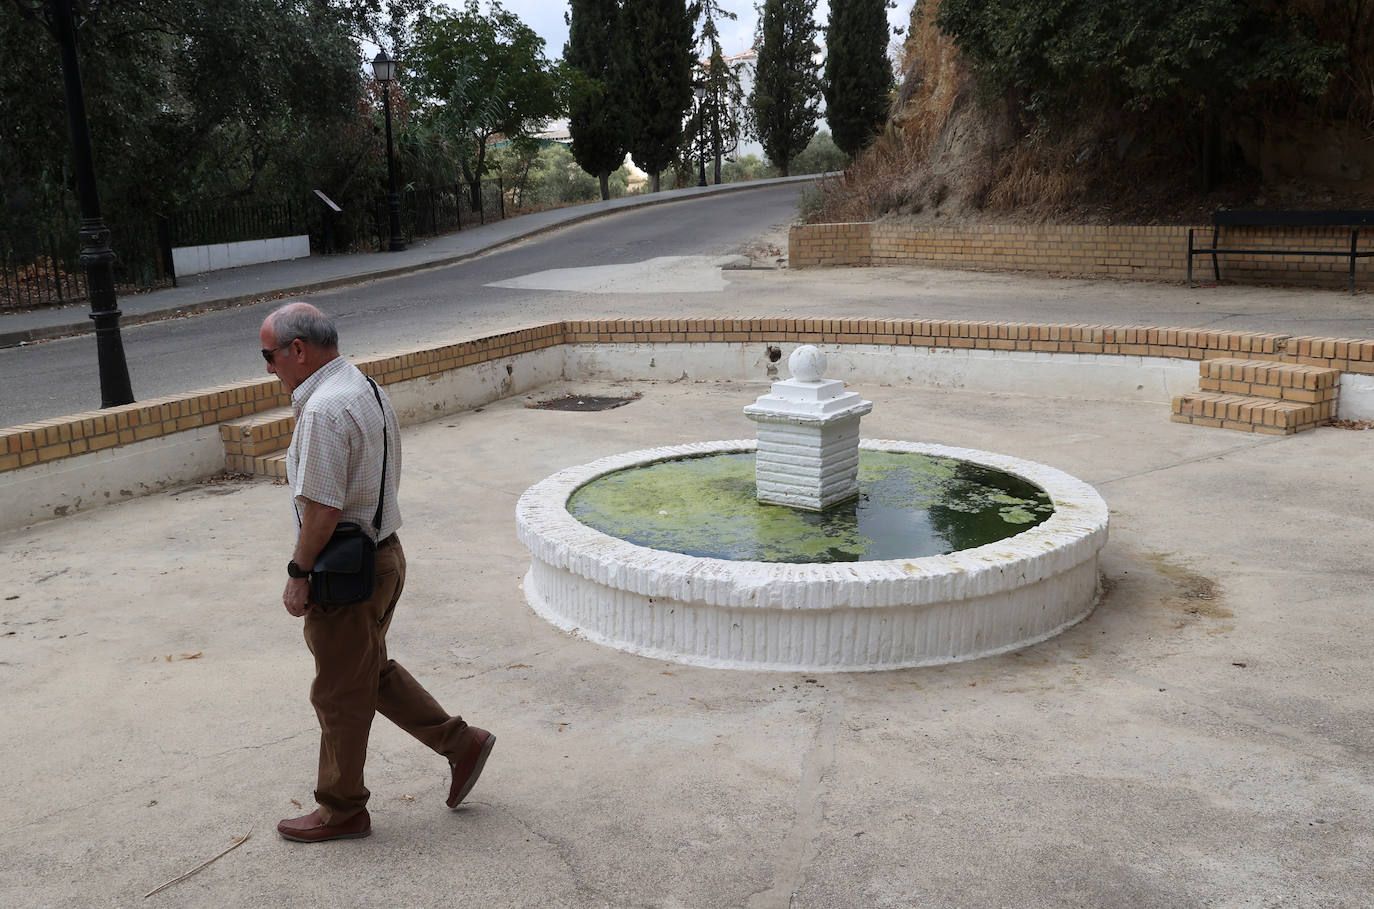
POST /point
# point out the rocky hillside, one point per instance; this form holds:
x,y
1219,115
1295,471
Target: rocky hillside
x,y
951,153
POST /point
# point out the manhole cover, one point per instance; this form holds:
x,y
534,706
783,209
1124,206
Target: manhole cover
x,y
584,402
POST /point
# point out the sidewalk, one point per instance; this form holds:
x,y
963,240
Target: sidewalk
x,y
1202,739
235,286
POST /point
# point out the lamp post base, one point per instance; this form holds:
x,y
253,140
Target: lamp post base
x,y
98,257
398,240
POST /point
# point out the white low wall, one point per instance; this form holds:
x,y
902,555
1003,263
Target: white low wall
x,y
53,489
193,260
431,397
81,482
1090,376
1357,398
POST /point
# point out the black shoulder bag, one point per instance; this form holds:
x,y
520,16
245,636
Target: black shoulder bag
x,y
345,571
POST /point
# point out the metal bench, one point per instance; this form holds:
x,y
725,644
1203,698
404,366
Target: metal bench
x,y
1352,219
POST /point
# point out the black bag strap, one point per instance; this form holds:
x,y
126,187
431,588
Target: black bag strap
x,y
381,493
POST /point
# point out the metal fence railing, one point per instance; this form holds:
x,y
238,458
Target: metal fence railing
x,y
232,223
41,271
432,210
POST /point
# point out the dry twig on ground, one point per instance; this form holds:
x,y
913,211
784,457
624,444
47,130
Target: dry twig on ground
x,y
205,864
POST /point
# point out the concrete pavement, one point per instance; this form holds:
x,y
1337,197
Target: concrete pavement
x,y
1201,740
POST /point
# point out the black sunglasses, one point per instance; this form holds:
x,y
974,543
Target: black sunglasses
x,y
269,354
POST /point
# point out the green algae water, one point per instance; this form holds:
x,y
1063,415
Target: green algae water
x,y
910,505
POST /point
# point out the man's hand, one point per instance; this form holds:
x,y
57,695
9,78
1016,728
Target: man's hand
x,y
317,525
296,597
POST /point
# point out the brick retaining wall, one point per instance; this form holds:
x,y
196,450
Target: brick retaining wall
x,y
1150,253
53,440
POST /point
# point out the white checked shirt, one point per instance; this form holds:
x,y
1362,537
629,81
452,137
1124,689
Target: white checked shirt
x,y
335,456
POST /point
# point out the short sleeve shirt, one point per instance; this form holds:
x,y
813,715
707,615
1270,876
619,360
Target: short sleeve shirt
x,y
335,457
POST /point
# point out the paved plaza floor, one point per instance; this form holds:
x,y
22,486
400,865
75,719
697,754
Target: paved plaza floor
x,y
1202,739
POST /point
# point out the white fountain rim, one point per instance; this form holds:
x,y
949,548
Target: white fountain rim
x,y
1076,531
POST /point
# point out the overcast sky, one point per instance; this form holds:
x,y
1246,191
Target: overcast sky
x,y
546,18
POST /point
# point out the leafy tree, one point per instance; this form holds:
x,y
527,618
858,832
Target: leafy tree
x,y
559,180
379,21
1194,59
541,174
748,167
719,121
659,53
786,80
858,74
474,75
516,162
248,100
440,142
593,68
821,155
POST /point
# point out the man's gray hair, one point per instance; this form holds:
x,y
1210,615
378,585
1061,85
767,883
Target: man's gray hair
x,y
301,320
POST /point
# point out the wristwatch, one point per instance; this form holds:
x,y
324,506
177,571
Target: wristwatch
x,y
295,570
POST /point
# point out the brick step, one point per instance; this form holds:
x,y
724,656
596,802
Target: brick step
x,y
268,465
258,434
1249,413
1268,379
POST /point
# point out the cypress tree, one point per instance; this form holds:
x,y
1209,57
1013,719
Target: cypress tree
x,y
659,54
596,116
786,80
720,108
858,76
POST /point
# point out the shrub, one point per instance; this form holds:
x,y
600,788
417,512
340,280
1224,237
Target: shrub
x,y
748,167
820,155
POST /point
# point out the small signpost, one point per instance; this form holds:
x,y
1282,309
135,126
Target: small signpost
x,y
330,208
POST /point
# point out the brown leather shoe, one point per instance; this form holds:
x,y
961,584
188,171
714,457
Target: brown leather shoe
x,y
468,768
311,828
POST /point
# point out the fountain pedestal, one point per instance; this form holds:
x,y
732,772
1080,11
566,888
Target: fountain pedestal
x,y
808,437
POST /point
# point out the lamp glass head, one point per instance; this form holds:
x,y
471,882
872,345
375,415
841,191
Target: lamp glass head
x,y
383,67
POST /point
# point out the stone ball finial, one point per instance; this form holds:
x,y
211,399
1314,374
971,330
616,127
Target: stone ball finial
x,y
807,363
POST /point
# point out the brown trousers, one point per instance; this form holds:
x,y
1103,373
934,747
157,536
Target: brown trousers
x,y
354,679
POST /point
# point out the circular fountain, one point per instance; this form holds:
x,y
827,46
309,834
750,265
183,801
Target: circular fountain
x,y
857,555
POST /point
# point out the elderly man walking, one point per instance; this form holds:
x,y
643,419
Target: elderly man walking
x,y
344,455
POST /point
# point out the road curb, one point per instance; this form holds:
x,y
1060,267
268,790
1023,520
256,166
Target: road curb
x,y
84,327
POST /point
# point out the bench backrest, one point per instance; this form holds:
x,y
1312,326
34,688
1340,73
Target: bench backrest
x,y
1229,218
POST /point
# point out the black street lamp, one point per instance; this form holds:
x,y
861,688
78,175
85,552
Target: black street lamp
x,y
384,70
96,253
699,89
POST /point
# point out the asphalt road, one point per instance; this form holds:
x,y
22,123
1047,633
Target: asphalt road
x,y
655,261
56,378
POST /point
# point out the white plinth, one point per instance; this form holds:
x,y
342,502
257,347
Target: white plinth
x,y
818,617
807,465
808,440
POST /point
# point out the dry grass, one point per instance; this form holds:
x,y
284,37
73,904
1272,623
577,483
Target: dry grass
x,y
933,77
889,176
1029,181
885,178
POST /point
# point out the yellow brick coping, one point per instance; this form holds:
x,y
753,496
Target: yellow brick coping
x,y
1142,252
69,436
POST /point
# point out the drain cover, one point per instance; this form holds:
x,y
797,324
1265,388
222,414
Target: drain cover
x,y
584,402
